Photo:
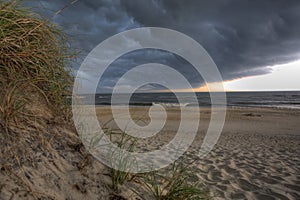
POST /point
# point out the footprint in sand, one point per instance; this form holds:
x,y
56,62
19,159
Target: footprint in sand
x,y
231,171
247,186
214,176
264,197
293,187
269,180
238,195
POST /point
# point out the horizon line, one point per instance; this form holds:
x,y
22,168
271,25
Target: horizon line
x,y
232,91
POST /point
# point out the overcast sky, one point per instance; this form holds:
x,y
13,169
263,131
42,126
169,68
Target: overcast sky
x,y
244,37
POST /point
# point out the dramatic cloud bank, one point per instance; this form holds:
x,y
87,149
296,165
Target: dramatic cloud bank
x,y
242,36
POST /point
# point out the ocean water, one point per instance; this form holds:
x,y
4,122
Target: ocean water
x,y
290,99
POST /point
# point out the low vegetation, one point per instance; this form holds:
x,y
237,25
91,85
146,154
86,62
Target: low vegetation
x,y
171,183
34,64
174,184
121,161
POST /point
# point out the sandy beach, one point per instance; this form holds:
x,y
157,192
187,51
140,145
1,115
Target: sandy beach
x,y
256,156
63,75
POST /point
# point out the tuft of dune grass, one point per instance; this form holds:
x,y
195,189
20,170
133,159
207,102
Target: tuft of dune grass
x,y
35,79
34,64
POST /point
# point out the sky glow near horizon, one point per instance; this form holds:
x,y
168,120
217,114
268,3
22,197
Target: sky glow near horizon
x,y
283,77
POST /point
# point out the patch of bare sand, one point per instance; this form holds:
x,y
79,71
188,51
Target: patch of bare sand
x,y
256,157
47,161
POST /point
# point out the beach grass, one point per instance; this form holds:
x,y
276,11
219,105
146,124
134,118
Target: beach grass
x,y
121,162
35,78
174,184
169,183
34,64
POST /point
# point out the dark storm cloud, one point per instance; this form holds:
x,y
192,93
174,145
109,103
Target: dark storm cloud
x,y
87,22
242,36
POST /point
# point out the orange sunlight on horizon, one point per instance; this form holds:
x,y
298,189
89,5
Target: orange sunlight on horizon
x,y
214,87
283,77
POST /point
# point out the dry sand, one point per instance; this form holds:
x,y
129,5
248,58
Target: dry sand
x,y
256,157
